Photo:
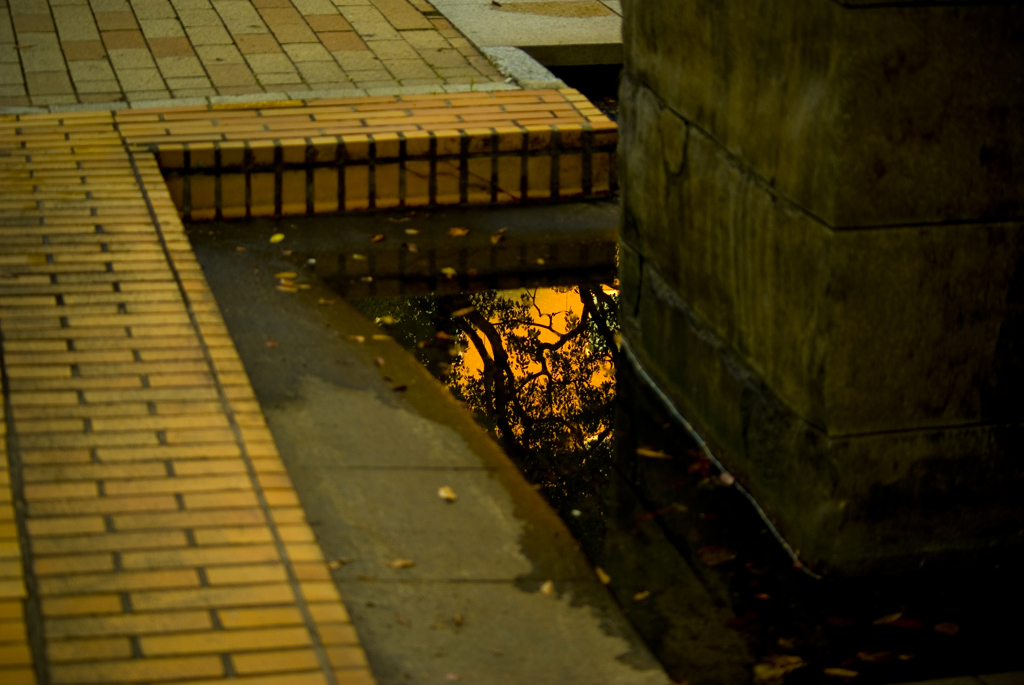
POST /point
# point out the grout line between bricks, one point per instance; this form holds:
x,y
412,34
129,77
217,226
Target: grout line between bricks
x,y
293,581
32,605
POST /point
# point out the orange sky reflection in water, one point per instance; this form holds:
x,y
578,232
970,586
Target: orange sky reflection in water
x,y
550,302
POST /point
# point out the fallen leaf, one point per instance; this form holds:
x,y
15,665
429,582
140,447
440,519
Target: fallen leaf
x,y
239,248
387,320
762,596
367,279
401,563
399,221
272,343
497,237
887,619
449,272
287,253
641,596
323,300
288,288
380,337
775,667
379,361
277,237
359,257
441,335
304,286
411,231
726,479
458,232
286,274
339,562
377,238
463,311
403,620
715,556
547,588
876,657
540,260
445,492
286,281
602,576
945,628
411,247
457,619
357,338
452,677
840,672
651,453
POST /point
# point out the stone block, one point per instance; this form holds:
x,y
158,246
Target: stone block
x,y
832,105
827,317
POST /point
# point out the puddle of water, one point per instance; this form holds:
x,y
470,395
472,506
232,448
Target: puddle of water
x,y
534,365
523,331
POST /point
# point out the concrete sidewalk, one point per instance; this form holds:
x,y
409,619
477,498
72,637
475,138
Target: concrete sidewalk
x,y
112,52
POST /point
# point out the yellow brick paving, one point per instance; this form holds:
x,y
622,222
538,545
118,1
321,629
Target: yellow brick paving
x,y
164,541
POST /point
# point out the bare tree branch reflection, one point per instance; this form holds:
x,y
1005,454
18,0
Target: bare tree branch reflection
x,y
545,380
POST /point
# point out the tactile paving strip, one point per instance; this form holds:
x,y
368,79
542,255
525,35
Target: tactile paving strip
x,y
164,541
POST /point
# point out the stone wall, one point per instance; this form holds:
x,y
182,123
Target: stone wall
x,y
822,260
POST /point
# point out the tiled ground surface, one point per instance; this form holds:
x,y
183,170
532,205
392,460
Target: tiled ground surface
x,y
98,51
148,530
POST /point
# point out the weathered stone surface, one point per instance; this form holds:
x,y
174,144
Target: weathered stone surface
x,y
822,261
829,318
871,116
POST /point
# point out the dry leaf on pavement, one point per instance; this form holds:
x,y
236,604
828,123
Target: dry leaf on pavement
x,y
445,492
272,343
602,576
547,588
403,620
652,453
887,619
401,563
277,237
641,596
286,274
458,232
775,667
840,672
339,562
714,556
377,238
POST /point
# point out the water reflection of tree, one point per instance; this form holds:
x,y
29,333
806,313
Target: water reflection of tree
x,y
545,389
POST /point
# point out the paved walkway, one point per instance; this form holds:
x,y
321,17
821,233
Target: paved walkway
x,y
162,538
61,52
148,530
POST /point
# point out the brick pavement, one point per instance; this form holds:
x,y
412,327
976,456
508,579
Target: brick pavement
x,y
148,530
60,52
